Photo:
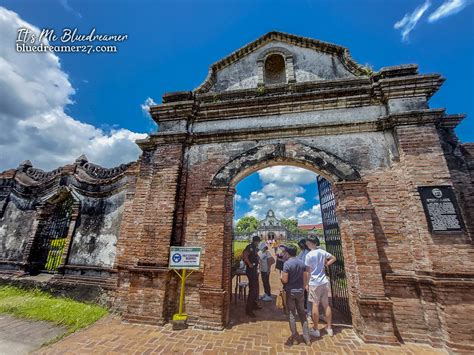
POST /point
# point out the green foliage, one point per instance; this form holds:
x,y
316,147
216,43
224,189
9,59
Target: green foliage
x,y
260,91
303,232
342,282
239,247
55,253
295,244
247,224
368,69
39,305
291,224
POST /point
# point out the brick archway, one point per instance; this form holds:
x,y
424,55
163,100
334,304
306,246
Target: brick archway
x,y
373,135
292,153
371,310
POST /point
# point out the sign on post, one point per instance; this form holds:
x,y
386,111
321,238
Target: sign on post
x,y
185,258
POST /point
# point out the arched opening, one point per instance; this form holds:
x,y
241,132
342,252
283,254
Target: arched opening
x,y
369,307
281,203
275,72
51,238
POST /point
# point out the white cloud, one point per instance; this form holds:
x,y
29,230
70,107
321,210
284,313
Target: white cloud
x,y
34,92
277,189
69,8
409,21
311,216
449,7
146,106
281,192
287,175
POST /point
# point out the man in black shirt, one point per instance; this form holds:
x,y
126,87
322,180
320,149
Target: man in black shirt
x,y
250,257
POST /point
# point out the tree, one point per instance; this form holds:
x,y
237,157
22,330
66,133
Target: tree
x,y
291,224
247,224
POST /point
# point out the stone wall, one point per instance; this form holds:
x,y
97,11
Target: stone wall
x,y
97,230
15,225
28,196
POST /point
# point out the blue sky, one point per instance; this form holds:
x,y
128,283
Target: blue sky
x,y
95,104
289,191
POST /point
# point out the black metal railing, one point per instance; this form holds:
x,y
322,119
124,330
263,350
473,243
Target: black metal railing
x,y
50,240
332,237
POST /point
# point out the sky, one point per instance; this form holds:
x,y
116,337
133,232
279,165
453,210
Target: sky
x,y
53,108
291,192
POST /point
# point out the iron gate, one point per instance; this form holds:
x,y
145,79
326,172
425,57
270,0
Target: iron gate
x,y
332,238
50,239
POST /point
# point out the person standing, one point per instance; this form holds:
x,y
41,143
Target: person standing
x,y
270,244
294,277
250,258
266,261
281,256
317,285
304,249
302,256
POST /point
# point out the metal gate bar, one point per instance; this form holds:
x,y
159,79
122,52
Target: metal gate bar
x,y
50,240
332,238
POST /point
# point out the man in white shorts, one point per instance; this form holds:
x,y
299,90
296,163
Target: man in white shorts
x,y
317,286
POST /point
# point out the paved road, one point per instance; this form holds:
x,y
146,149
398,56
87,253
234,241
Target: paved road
x,y
20,336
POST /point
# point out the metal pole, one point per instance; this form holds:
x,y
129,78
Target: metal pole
x,y
181,295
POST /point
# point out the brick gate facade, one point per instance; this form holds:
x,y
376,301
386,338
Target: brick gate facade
x,y
284,99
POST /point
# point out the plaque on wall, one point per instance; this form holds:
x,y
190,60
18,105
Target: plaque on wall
x,y
441,209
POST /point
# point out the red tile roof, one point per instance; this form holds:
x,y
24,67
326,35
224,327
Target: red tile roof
x,y
309,227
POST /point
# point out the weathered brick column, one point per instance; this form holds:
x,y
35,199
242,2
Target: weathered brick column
x,y
372,313
146,232
214,294
443,280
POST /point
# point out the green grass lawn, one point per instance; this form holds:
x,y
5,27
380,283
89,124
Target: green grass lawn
x,y
239,247
38,305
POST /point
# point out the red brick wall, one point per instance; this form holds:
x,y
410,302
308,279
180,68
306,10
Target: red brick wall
x,y
404,282
371,310
421,269
145,236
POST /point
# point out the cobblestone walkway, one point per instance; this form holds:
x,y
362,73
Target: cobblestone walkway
x,y
265,335
110,336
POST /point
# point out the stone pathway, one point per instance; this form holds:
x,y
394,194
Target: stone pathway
x,y
111,336
265,335
21,336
